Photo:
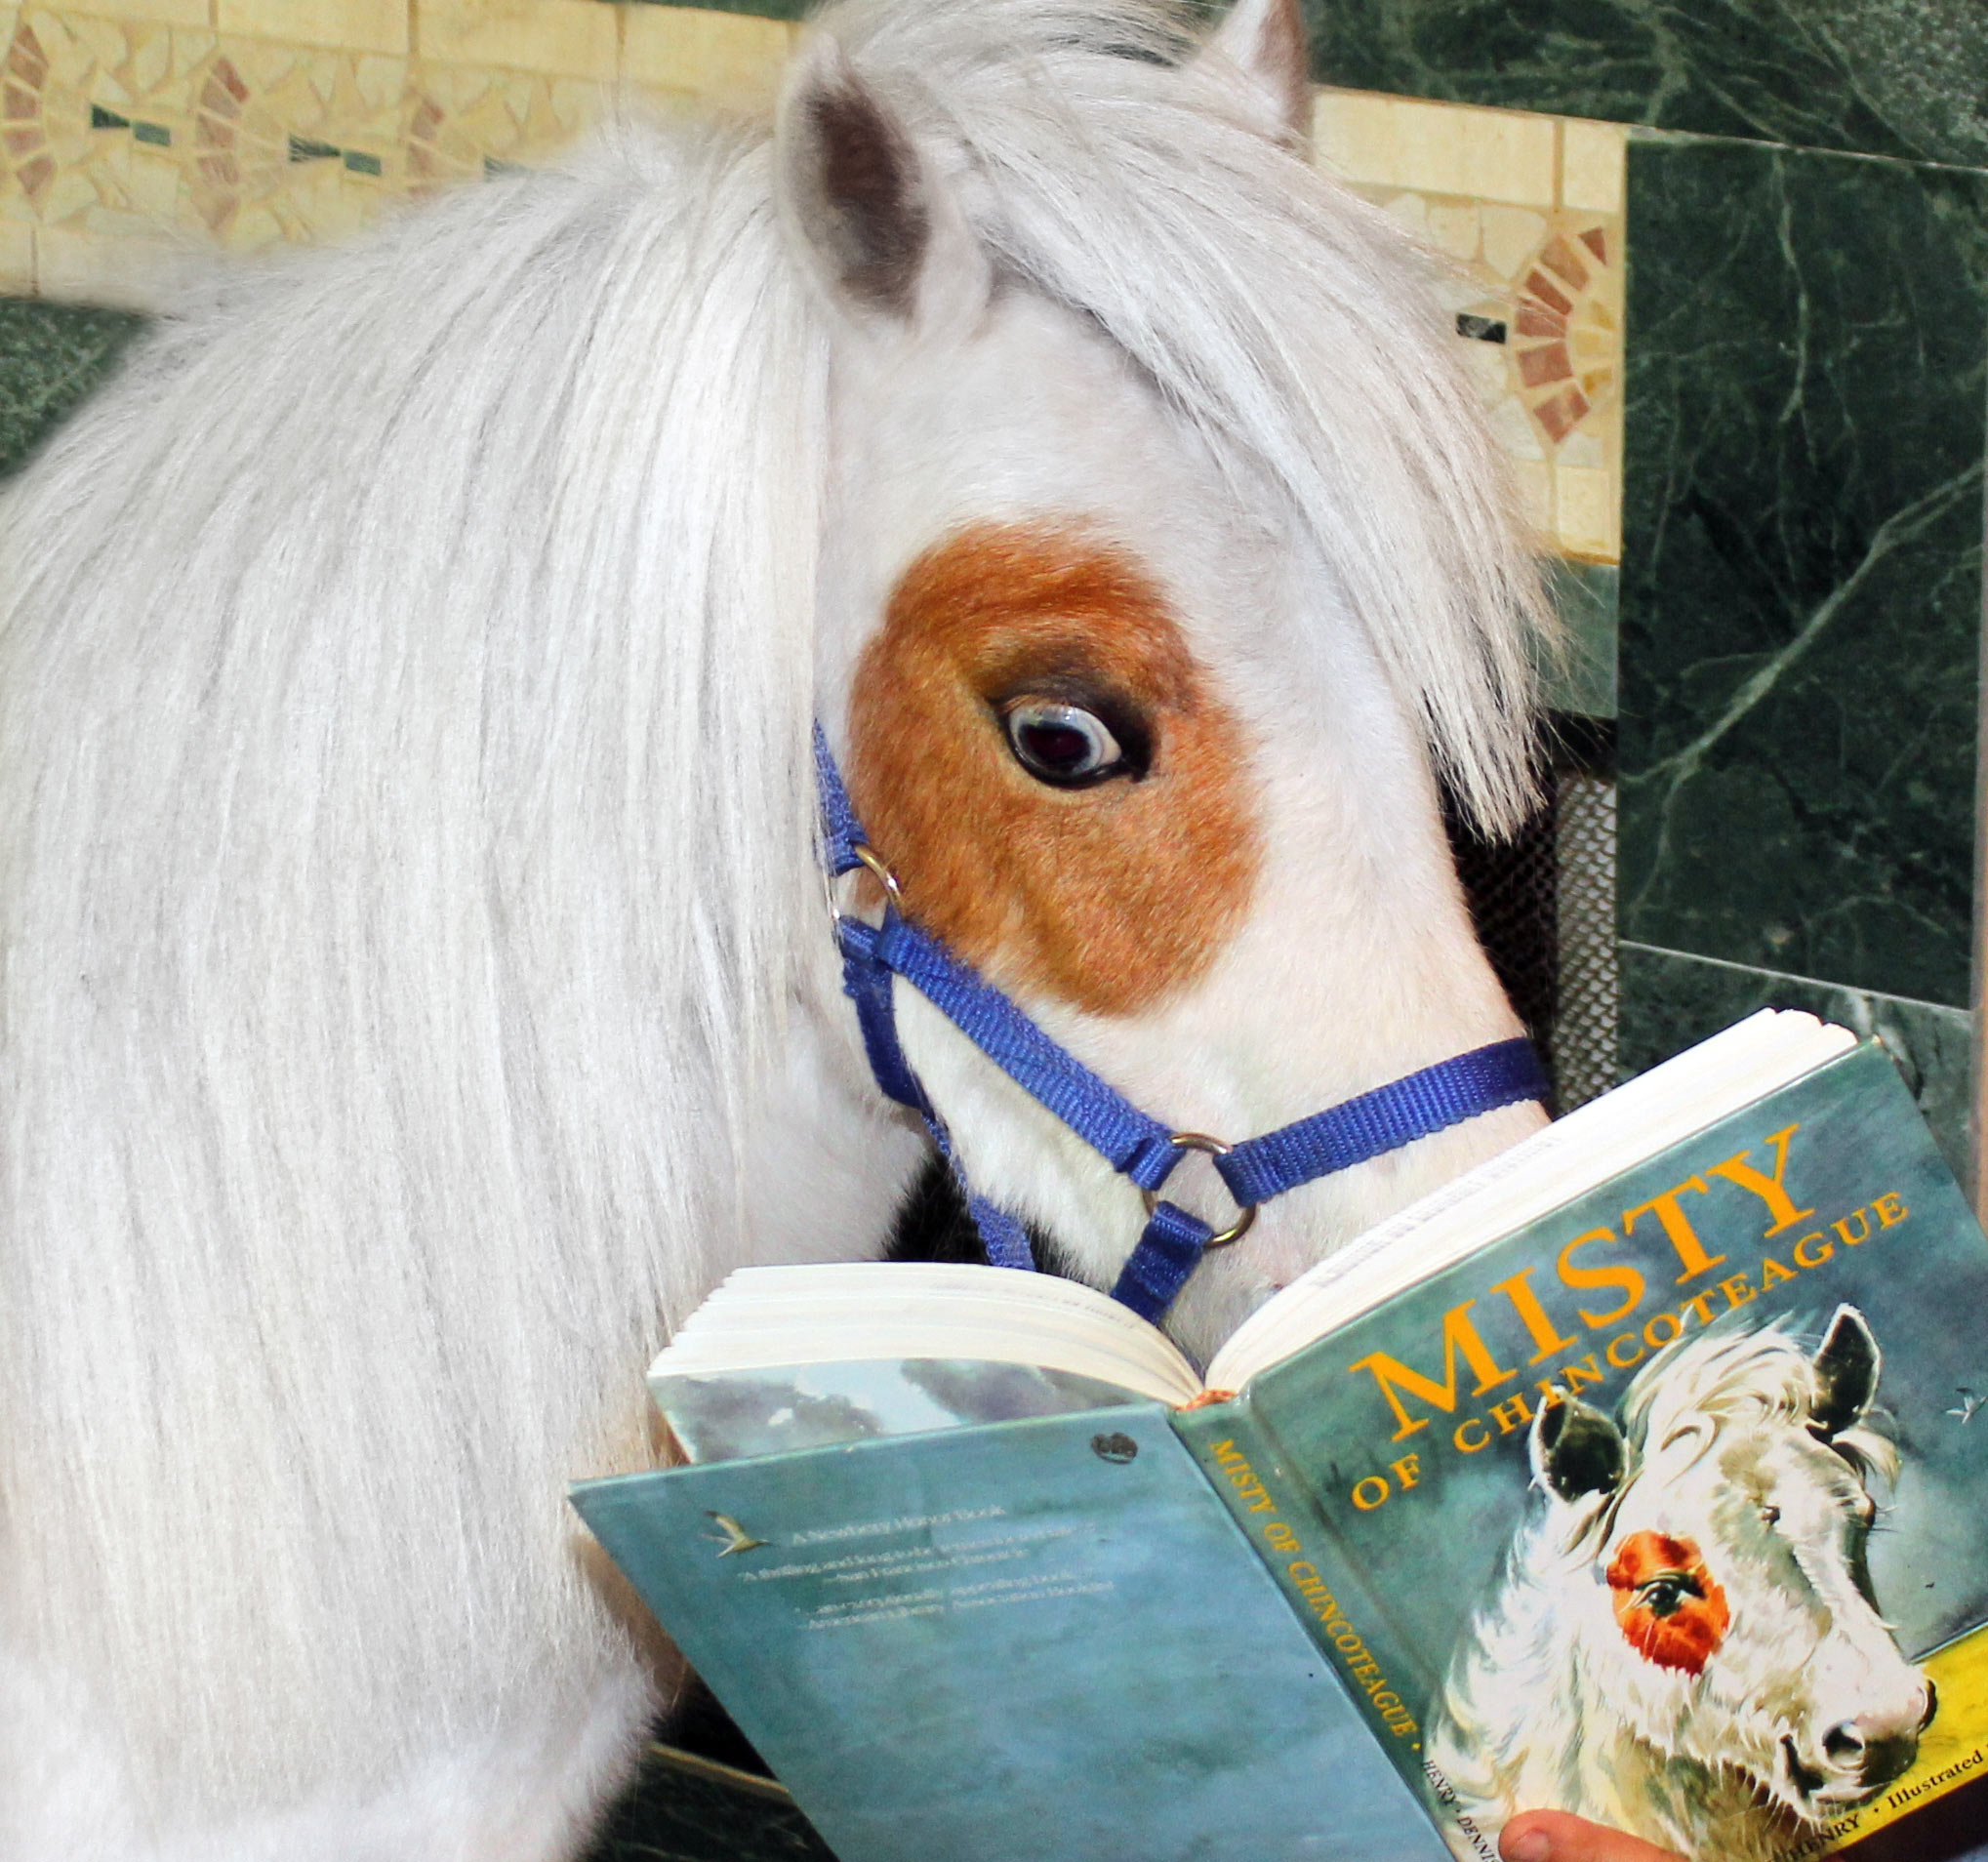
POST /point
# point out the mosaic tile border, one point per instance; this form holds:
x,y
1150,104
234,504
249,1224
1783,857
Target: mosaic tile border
x,y
139,134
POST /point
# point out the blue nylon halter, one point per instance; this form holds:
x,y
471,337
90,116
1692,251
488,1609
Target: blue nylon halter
x,y
1135,1145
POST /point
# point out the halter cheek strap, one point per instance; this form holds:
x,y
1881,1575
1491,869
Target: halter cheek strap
x,y
1134,1144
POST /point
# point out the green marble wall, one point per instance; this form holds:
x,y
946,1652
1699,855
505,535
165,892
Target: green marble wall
x,y
51,356
1670,1000
1905,78
1806,422
1807,380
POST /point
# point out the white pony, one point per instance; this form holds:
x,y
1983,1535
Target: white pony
x,y
418,990
1684,1643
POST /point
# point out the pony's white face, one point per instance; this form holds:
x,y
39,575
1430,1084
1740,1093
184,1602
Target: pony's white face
x,y
1725,1611
1107,718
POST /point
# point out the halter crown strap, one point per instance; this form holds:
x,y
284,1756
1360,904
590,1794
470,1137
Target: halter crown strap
x,y
1134,1144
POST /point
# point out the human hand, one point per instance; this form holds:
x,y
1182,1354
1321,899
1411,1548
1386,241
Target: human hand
x,y
1552,1835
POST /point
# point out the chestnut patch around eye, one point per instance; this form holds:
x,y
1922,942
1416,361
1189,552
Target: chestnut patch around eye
x,y
1669,1607
1044,764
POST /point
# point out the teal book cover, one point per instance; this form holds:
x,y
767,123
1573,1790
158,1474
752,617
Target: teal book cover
x,y
1669,1509
1043,1640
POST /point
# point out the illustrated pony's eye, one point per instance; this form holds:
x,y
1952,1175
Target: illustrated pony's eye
x,y
1665,1595
1062,744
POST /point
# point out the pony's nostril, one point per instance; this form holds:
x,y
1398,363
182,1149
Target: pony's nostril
x,y
1888,1758
1931,1706
1844,1744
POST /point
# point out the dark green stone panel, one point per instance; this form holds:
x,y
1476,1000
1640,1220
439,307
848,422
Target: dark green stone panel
x,y
1802,562
1906,78
51,356
1671,1000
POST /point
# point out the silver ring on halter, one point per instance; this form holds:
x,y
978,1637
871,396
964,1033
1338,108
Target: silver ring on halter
x,y
872,862
1213,1148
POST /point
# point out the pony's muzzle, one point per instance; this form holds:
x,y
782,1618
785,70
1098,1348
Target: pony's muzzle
x,y
1866,1753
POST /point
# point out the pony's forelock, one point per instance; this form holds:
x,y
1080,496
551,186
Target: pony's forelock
x,y
1289,321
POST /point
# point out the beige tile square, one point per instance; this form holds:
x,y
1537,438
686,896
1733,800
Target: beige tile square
x,y
1512,235
381,82
103,37
70,191
1454,226
186,13
86,268
1534,480
1593,159
151,59
17,258
1511,426
1589,523
727,57
574,38
1411,209
154,178
1437,148
357,25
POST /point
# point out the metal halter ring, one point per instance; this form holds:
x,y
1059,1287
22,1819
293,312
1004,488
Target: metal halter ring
x,y
872,861
1213,1148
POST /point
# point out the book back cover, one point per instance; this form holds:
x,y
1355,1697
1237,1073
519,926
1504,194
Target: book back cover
x,y
1043,1639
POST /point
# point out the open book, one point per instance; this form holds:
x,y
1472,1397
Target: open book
x,y
1555,1489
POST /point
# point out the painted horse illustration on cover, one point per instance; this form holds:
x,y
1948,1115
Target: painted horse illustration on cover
x,y
1684,1640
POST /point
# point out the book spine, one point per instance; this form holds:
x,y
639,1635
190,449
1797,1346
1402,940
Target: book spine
x,y
1240,1458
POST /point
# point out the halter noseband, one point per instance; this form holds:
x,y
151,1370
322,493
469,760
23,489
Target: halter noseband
x,y
1136,1145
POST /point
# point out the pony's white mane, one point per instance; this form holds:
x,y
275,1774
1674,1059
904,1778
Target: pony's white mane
x,y
405,804
1756,1377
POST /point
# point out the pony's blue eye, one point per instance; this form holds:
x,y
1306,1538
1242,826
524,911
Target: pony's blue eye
x,y
1061,744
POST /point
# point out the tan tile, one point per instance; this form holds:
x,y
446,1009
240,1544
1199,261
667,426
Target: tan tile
x,y
17,258
1591,162
381,82
1534,481
103,37
84,267
1438,148
1411,209
1511,426
727,57
1584,448
1454,226
71,192
1588,521
155,181
70,58
187,13
150,63
358,25
1512,235
576,38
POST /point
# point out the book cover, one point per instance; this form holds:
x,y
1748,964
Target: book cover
x,y
1668,1508
1042,1639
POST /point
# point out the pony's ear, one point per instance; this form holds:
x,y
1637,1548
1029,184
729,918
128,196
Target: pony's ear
x,y
1576,1449
886,242
1845,1366
1264,40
